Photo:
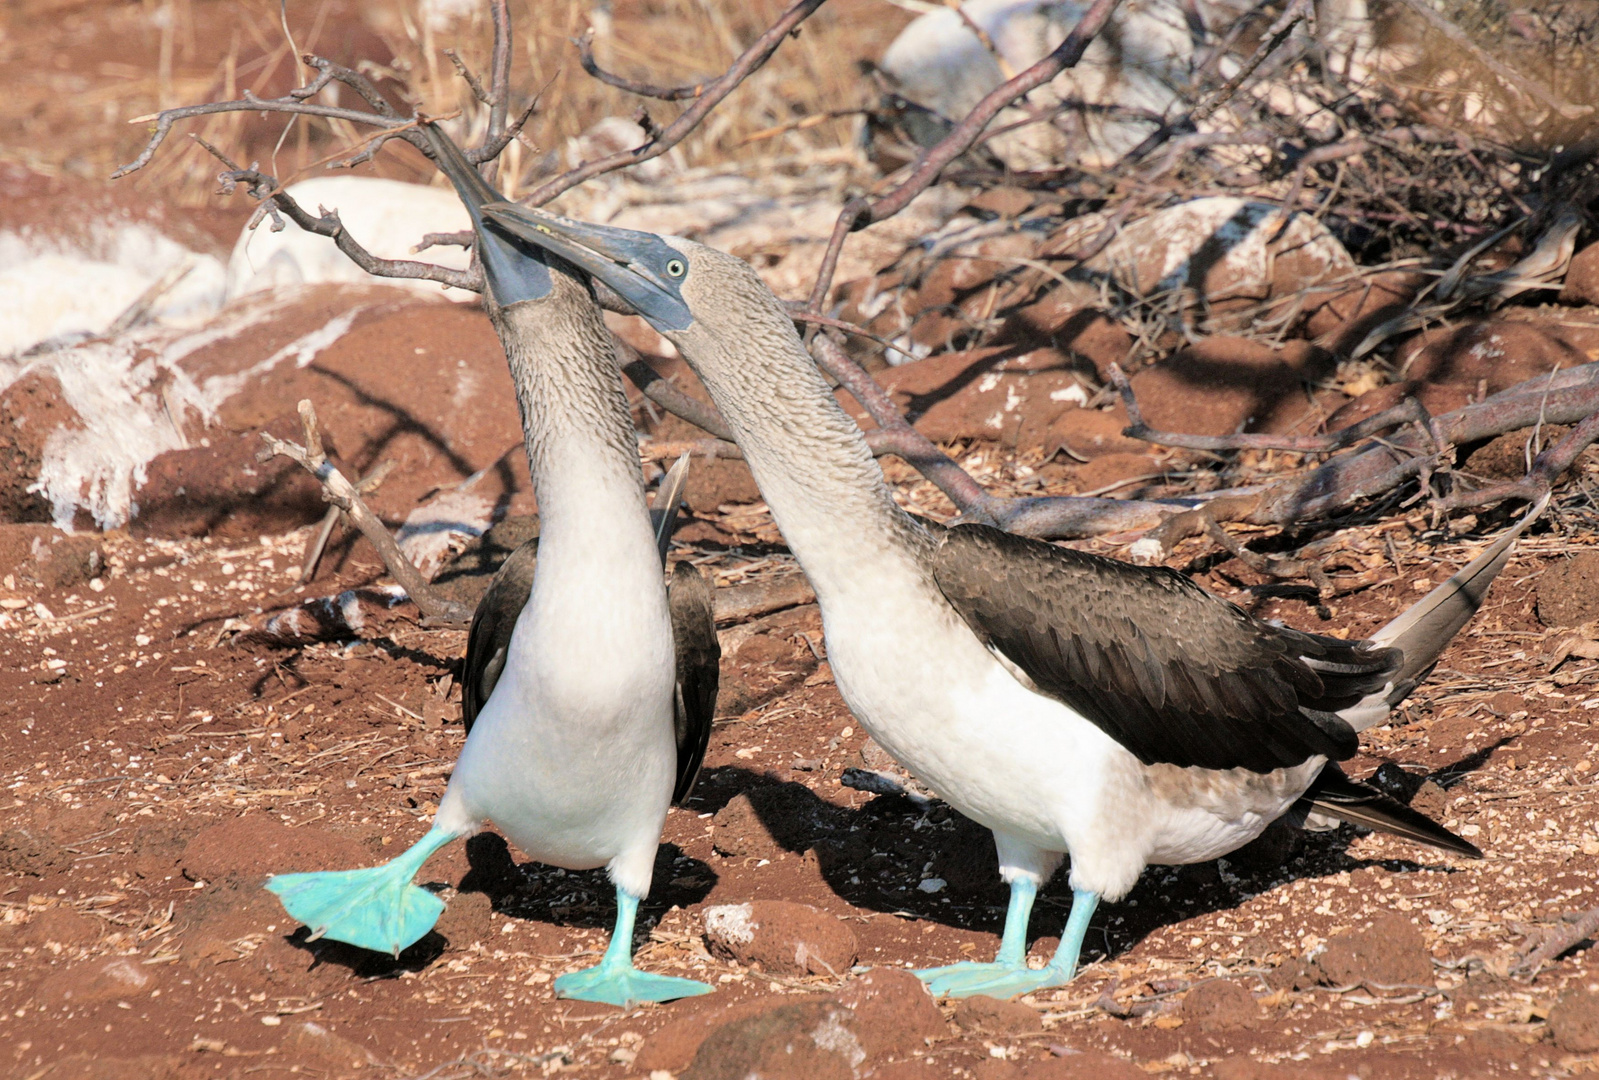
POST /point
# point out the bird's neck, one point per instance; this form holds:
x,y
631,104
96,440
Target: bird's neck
x,y
581,446
810,460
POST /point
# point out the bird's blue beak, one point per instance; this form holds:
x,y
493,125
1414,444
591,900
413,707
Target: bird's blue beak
x,y
514,273
640,267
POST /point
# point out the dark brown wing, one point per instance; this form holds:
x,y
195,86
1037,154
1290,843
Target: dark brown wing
x,y
699,657
1169,671
489,638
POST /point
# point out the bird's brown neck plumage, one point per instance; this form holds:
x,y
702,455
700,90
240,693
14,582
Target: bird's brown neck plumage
x,y
575,420
812,464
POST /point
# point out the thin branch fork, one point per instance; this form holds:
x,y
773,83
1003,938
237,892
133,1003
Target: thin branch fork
x,y
860,212
1546,468
338,490
746,64
264,187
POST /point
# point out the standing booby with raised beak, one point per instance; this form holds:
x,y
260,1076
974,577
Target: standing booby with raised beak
x,y
574,752
1070,703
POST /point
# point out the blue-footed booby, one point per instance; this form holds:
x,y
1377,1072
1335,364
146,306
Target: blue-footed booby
x,y
587,693
1071,703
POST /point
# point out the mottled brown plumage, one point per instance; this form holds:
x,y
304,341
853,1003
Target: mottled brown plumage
x,y
699,657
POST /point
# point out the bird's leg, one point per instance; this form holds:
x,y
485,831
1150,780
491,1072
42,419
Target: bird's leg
x,y
614,980
1064,962
947,981
377,908
1003,979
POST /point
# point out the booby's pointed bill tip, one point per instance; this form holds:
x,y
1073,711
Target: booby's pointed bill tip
x,y
640,267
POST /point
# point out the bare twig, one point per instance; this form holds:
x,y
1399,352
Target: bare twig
x,y
264,187
585,55
338,490
1548,945
313,554
747,63
1545,470
1566,397
667,396
499,70
861,212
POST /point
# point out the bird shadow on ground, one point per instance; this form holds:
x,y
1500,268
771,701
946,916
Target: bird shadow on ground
x,y
366,964
891,854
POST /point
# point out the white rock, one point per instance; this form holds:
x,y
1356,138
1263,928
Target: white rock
x,y
132,395
731,923
72,284
387,217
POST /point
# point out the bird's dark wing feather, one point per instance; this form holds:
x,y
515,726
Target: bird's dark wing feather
x,y
1359,803
699,656
489,638
1172,673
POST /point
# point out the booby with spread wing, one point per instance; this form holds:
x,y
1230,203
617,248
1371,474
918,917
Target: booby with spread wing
x,y
588,695
1071,703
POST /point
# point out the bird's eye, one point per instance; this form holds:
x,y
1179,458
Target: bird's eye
x,y
675,268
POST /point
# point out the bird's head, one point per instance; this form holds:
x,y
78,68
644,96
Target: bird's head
x,y
675,284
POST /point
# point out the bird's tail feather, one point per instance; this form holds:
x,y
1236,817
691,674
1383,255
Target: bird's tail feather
x,y
668,499
1337,795
1424,629
376,908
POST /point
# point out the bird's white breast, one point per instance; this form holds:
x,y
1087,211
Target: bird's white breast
x,y
573,755
1021,763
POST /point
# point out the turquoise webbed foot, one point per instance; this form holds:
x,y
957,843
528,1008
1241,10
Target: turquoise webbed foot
x,y
624,986
1009,976
377,908
614,980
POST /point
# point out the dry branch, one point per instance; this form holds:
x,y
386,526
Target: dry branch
x,y
749,61
585,55
1565,397
337,489
860,212
313,553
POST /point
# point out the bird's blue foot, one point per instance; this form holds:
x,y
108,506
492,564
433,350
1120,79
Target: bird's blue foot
x,y
1009,976
614,980
624,986
377,908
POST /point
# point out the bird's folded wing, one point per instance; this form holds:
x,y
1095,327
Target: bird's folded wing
x,y
691,601
1172,673
488,642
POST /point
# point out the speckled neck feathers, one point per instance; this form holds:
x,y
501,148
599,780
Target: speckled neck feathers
x,y
809,458
575,419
